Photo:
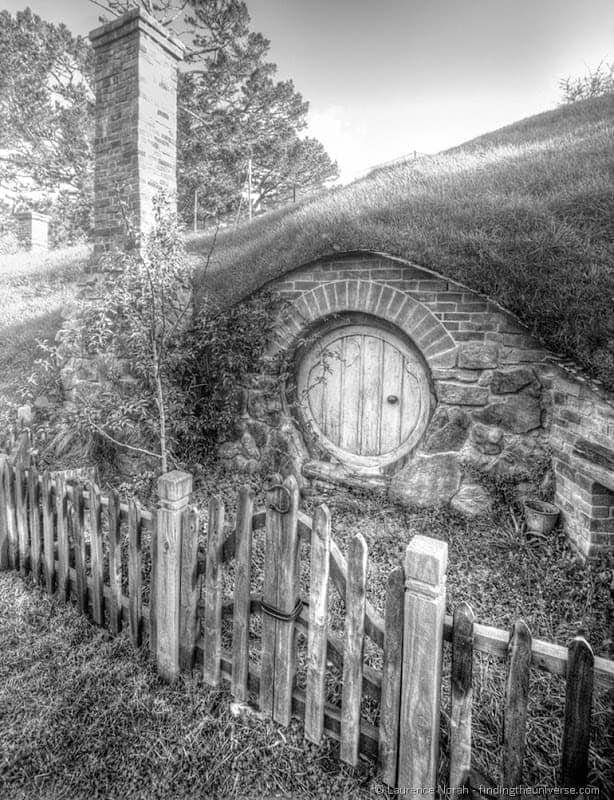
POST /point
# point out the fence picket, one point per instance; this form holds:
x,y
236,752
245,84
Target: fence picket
x,y
516,699
48,533
35,522
78,540
21,513
134,573
317,634
425,601
269,596
578,711
288,600
212,623
190,589
63,582
355,606
390,704
95,519
115,564
4,523
462,695
241,611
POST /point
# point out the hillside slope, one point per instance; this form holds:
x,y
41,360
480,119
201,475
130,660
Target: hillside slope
x,y
524,215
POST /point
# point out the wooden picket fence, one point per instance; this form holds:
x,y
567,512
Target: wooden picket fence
x,y
76,542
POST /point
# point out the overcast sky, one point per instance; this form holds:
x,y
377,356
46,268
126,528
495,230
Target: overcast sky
x,y
386,77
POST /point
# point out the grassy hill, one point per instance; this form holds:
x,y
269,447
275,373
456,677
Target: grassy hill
x,y
35,289
524,215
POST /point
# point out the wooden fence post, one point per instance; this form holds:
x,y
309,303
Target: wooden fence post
x,y
425,601
462,696
174,490
578,709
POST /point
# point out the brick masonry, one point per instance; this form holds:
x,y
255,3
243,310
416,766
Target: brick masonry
x,y
136,123
501,402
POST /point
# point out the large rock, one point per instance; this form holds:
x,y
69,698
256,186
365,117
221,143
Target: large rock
x,y
472,500
461,394
448,431
517,413
514,380
427,481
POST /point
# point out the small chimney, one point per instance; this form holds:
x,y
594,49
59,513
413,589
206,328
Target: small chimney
x,y
136,124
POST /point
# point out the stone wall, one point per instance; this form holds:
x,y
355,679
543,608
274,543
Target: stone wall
x,y
490,409
136,123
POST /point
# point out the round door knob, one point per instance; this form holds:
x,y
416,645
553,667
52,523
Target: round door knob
x,y
392,398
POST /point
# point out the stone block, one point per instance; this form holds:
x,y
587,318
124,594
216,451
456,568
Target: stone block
x,y
512,381
475,355
460,394
518,414
427,481
487,440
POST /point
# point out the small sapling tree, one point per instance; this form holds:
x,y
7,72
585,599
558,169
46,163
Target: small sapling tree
x,y
129,342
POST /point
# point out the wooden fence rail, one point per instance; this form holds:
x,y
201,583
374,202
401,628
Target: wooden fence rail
x,y
107,556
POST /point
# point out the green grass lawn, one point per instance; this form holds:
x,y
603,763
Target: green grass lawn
x,y
523,215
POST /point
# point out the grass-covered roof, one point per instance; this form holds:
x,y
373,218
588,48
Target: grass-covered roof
x,y
524,215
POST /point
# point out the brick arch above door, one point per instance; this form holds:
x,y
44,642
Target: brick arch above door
x,y
369,297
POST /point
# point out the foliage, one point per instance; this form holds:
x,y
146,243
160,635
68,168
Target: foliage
x,y
222,348
595,83
46,108
130,341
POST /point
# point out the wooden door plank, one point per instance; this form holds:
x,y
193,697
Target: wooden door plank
x,y
578,712
241,611
349,438
392,387
371,395
462,696
351,695
135,559
332,396
95,522
288,595
115,564
390,706
269,595
425,601
35,522
516,700
414,396
212,621
48,533
317,633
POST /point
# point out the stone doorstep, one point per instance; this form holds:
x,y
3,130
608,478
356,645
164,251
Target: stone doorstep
x,y
338,474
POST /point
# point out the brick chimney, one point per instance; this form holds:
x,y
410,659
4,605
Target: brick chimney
x,y
136,124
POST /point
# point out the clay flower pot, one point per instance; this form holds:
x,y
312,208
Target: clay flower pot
x,y
540,517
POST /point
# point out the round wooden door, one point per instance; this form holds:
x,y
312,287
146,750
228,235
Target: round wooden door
x,y
365,394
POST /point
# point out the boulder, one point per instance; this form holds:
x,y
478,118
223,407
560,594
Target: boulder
x,y
249,447
428,480
472,500
517,413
